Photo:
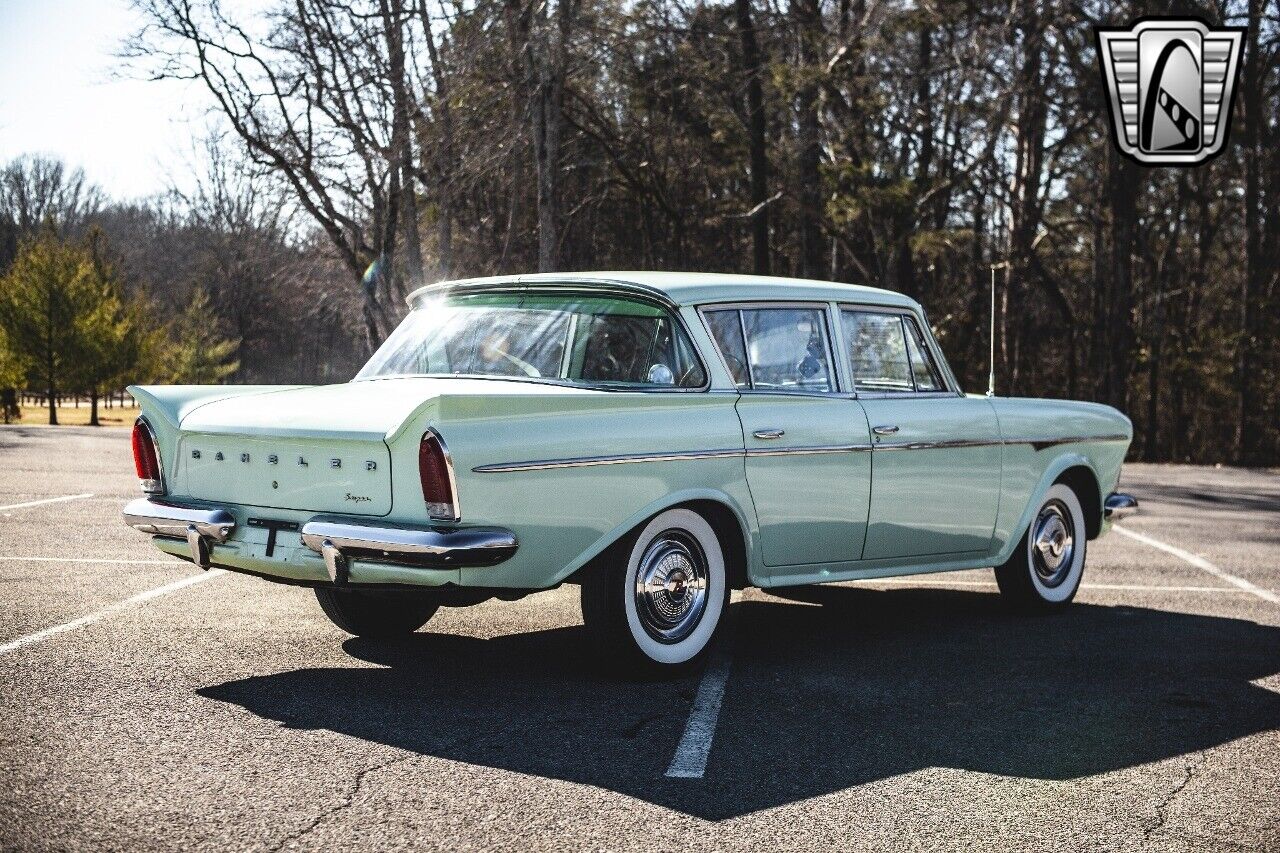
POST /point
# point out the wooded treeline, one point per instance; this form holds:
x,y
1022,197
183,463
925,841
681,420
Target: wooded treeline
x,y
214,285
910,145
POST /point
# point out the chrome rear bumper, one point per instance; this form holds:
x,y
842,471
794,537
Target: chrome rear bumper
x,y
335,538
200,526
1119,505
340,539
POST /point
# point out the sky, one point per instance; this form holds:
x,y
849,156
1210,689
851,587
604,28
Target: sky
x,y
64,93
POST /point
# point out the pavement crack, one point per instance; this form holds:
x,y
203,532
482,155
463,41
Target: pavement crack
x,y
632,731
348,800
1194,762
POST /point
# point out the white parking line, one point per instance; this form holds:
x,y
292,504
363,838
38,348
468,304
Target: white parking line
x,y
110,561
1138,587
1200,563
690,760
43,501
107,611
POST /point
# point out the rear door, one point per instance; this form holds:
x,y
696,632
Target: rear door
x,y
808,463
937,454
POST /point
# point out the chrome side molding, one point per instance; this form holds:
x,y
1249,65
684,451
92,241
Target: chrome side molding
x,y
683,455
1119,505
592,461
676,456
339,540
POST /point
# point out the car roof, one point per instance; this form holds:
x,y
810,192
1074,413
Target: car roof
x,y
685,288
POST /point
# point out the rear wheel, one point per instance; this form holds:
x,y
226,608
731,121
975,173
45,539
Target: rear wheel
x,y
375,615
1045,569
656,607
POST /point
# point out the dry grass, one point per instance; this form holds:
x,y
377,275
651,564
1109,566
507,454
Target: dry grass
x,y
72,416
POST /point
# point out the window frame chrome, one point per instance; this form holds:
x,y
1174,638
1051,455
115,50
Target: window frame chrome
x,y
829,340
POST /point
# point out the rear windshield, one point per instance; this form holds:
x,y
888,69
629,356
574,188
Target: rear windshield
x,y
601,341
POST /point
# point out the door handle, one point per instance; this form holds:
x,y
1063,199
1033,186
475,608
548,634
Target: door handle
x,y
766,434
884,430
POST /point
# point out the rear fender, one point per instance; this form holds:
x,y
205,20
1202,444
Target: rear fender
x,y
667,502
164,407
169,404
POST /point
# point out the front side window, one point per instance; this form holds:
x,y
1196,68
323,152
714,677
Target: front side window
x,y
923,370
787,349
887,353
605,341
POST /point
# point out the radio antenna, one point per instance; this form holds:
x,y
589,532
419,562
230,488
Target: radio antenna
x,y
991,356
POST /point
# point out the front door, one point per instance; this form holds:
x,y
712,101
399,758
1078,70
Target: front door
x,y
936,463
808,463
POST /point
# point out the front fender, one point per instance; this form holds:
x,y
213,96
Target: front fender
x,y
1051,473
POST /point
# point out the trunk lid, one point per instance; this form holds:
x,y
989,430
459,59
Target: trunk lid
x,y
313,474
314,449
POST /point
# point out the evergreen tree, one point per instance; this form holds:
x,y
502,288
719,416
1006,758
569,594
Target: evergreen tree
x,y
12,377
41,298
115,335
198,354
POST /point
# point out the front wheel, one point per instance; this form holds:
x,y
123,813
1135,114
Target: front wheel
x,y
375,615
659,611
1045,569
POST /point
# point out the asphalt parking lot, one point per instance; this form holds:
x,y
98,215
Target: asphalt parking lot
x,y
147,705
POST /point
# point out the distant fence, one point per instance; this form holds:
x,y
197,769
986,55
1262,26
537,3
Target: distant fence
x,y
112,400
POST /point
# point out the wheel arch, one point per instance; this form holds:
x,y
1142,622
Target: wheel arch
x,y
1082,480
1081,477
720,511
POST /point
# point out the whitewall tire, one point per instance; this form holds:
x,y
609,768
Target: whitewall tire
x,y
660,608
1045,569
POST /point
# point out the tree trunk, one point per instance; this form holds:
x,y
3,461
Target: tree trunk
x,y
447,167
1028,177
1122,183
93,407
546,139
546,62
756,132
1252,377
809,191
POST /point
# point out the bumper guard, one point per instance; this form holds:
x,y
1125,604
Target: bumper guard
x,y
1119,505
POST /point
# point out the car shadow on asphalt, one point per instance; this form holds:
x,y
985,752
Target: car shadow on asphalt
x,y
831,687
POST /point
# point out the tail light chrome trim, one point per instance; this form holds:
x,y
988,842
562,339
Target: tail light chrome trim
x,y
438,510
150,485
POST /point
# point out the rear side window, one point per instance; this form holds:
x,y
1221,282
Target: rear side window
x,y
786,349
618,349
726,331
887,353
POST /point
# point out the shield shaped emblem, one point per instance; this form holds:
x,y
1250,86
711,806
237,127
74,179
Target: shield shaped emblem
x,y
1170,84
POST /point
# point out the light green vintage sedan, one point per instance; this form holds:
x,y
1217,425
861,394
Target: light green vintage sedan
x,y
657,438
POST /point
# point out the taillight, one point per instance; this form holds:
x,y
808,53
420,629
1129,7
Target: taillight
x,y
146,458
436,473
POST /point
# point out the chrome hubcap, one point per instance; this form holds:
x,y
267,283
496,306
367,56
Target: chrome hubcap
x,y
1053,543
671,586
